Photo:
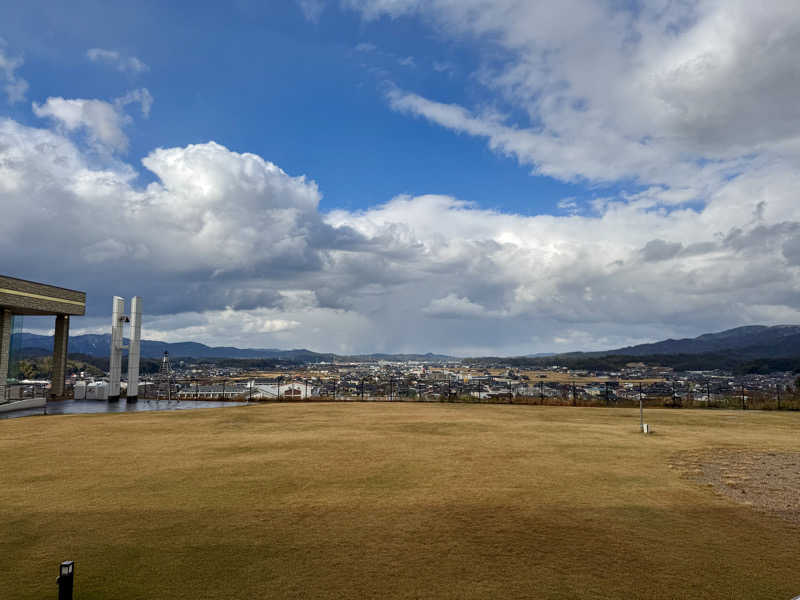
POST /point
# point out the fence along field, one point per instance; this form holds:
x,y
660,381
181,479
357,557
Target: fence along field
x,y
559,391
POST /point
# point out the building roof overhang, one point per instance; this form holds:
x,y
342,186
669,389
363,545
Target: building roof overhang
x,y
24,297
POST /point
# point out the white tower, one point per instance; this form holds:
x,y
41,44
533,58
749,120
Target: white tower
x,y
118,320
115,360
134,349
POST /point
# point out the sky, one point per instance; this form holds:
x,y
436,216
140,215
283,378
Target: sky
x,y
471,177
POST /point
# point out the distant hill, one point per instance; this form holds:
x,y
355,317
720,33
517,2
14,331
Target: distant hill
x,y
741,343
754,341
751,349
100,346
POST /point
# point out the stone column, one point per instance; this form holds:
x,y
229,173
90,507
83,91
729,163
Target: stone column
x,y
6,323
60,356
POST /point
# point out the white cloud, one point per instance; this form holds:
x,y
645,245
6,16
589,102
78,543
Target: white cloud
x,y
141,96
454,307
676,94
246,325
312,9
13,85
443,66
102,121
226,248
569,205
114,59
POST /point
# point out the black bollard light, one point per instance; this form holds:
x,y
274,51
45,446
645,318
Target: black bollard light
x,y
66,574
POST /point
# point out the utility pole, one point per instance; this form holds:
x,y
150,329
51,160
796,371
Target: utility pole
x,y
574,399
779,396
391,397
334,390
362,389
708,393
744,406
606,393
673,392
541,392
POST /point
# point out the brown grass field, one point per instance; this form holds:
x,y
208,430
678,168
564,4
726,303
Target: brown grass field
x,y
390,501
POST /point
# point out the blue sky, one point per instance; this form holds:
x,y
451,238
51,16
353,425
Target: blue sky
x,y
473,177
259,77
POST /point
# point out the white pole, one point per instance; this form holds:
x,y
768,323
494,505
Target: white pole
x,y
115,360
134,351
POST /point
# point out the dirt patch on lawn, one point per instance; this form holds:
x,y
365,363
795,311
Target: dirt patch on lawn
x,y
767,481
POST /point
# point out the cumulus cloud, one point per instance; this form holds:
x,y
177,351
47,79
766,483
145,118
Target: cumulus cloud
x,y
13,85
103,122
227,248
115,59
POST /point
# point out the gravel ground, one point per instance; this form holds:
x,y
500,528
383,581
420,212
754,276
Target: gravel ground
x,y
767,481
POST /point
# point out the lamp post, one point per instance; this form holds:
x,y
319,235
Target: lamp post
x,y
66,575
641,409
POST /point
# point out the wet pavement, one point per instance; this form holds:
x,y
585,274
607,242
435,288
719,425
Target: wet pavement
x,y
73,407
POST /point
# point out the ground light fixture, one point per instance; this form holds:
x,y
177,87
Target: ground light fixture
x,y
66,575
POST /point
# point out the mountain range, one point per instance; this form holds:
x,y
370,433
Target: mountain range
x,y
99,345
754,341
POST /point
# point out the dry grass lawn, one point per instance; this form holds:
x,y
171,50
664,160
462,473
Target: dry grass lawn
x,y
388,501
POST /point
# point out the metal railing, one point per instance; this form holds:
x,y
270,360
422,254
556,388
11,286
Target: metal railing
x,y
13,393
